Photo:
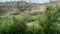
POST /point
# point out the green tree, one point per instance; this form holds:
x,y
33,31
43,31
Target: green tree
x,y
48,20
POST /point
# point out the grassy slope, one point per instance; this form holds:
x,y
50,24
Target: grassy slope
x,y
7,19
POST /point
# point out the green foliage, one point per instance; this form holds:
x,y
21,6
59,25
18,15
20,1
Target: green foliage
x,y
42,20
5,23
2,12
48,23
10,25
34,31
48,20
51,20
15,13
19,27
27,19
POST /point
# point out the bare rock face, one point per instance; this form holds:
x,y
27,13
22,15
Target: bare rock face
x,y
13,6
21,6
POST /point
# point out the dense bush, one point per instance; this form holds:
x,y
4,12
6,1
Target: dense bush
x,y
5,23
48,20
10,25
48,23
19,27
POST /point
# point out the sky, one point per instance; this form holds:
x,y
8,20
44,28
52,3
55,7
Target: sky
x,y
35,1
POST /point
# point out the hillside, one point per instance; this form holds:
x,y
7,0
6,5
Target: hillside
x,y
22,5
17,7
21,17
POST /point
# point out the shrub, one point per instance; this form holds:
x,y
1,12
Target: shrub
x,y
5,24
19,27
25,18
11,25
48,20
34,28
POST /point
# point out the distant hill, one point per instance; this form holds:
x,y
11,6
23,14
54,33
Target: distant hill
x,y
22,5
14,6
